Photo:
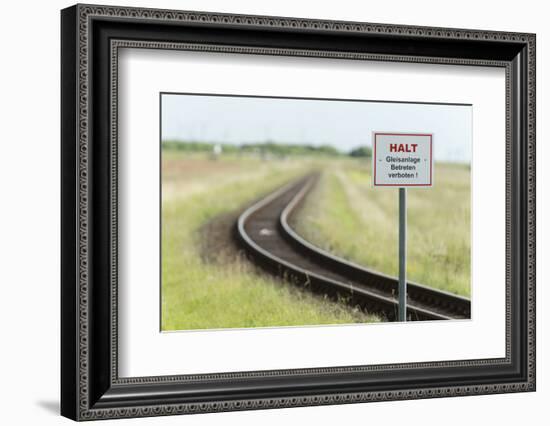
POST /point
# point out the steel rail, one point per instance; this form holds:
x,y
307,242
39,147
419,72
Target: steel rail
x,y
264,232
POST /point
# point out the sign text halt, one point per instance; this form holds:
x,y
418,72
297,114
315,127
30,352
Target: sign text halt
x,y
402,159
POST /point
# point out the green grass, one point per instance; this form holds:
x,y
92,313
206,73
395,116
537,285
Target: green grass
x,y
347,216
228,293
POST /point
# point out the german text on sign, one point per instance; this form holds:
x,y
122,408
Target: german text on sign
x,y
402,159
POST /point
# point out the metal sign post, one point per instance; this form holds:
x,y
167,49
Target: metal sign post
x,y
402,254
402,160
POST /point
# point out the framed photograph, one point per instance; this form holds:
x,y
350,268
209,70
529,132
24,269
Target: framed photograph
x,y
263,212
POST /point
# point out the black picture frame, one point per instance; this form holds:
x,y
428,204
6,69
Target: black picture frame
x,y
90,386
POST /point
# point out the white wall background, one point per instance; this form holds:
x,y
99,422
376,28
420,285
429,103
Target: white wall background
x,y
29,211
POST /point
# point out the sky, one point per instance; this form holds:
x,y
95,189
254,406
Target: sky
x,y
342,124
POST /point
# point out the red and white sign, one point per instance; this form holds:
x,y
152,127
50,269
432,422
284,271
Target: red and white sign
x,y
402,159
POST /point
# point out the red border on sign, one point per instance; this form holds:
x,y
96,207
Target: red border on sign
x,y
403,134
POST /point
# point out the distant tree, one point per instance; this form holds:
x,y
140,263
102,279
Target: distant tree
x,y
327,150
361,151
267,148
187,146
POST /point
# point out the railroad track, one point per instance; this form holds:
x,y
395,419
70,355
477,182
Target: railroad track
x,y
264,232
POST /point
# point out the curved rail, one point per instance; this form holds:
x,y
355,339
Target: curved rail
x,y
263,230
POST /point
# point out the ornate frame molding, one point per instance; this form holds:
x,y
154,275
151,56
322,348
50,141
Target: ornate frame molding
x,y
87,403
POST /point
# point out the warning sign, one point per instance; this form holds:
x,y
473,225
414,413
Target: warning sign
x,y
402,159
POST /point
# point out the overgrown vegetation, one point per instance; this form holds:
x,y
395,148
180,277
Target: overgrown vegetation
x,y
343,214
229,293
347,216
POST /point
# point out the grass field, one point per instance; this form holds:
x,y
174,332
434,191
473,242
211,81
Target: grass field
x,y
198,293
343,214
347,216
